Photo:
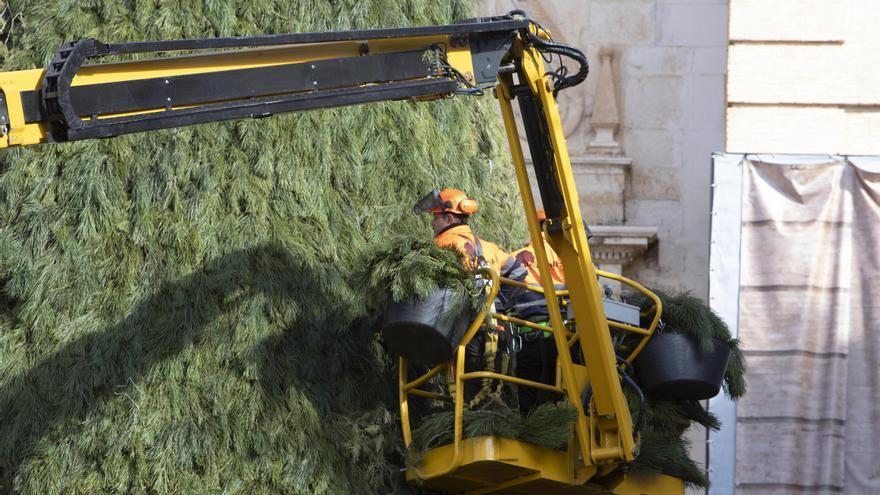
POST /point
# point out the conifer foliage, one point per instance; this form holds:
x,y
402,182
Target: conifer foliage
x,y
184,311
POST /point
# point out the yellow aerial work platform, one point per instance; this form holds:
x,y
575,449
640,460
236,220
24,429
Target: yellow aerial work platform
x,y
603,443
491,464
503,465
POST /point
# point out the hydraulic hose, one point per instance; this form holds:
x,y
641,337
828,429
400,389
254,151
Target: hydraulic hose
x,y
640,418
639,423
563,81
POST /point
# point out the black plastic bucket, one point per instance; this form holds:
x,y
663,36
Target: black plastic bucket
x,y
672,366
428,330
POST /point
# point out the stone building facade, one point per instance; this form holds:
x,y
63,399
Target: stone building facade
x,y
803,77
642,130
802,85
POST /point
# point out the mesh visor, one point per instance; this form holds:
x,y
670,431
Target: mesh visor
x,y
429,203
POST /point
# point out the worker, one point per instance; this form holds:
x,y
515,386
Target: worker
x,y
451,209
536,361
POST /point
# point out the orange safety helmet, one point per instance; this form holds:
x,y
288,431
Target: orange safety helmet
x,y
446,201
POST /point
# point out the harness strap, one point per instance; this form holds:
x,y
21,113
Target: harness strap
x,y
477,249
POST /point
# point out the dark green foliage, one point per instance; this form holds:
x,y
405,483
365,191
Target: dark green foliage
x,y
686,314
663,447
436,429
548,425
185,311
674,415
410,267
666,453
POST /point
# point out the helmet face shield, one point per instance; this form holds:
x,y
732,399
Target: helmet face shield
x,y
429,203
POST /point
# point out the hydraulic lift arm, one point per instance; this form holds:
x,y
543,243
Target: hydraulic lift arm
x,y
76,97
255,76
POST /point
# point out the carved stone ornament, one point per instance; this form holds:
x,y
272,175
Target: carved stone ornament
x,y
606,117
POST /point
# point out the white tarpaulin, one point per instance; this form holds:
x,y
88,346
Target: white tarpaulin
x,y
809,320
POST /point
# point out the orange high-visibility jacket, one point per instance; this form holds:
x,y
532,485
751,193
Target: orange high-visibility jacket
x,y
526,257
528,304
462,239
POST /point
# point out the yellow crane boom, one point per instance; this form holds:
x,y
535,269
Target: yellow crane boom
x,y
89,91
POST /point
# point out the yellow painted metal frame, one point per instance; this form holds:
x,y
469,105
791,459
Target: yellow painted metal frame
x,y
657,310
501,465
646,333
13,83
407,387
609,439
603,434
534,469
19,133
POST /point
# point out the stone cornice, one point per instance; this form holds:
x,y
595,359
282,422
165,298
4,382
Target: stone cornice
x,y
620,244
600,161
597,161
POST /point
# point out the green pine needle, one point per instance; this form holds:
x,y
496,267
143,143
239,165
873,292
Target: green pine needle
x,y
686,314
663,446
549,425
185,311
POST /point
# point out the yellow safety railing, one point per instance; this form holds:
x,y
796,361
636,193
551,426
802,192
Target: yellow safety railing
x,y
657,310
407,387
459,376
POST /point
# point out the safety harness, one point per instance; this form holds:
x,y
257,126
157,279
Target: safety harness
x,y
491,339
476,251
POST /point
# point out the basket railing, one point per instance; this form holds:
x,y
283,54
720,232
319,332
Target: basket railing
x,y
459,376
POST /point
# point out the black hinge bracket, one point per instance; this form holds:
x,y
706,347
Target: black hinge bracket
x,y
4,115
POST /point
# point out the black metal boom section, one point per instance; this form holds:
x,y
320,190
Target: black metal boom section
x,y
373,65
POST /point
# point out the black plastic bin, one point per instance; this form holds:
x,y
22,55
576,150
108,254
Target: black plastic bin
x,y
428,330
672,366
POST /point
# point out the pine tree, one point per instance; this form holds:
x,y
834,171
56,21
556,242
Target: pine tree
x,y
193,310
183,310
